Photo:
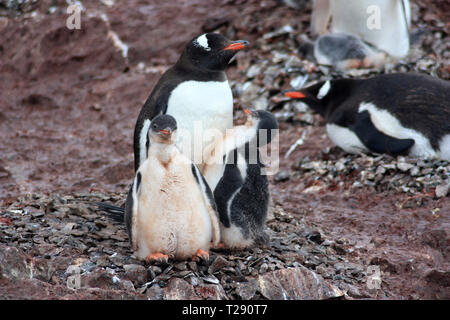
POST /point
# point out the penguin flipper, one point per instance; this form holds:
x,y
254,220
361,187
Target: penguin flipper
x,y
115,212
377,141
131,209
210,203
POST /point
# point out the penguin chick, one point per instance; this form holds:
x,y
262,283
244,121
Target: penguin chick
x,y
346,51
170,211
402,113
234,171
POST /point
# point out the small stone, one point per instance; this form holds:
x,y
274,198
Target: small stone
x,y
127,285
193,265
253,71
68,227
246,290
37,214
442,190
156,269
263,269
403,166
283,176
155,292
217,264
314,236
103,261
180,266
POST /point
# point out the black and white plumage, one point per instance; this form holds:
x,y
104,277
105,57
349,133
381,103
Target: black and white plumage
x,y
403,113
235,172
383,24
195,91
170,211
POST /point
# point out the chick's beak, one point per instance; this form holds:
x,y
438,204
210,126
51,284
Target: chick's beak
x,y
237,45
166,131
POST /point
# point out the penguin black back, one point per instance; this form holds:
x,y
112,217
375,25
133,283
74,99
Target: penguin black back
x,y
395,104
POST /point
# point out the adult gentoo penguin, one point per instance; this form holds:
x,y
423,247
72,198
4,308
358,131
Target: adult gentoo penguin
x,y
170,210
235,172
195,91
383,24
402,113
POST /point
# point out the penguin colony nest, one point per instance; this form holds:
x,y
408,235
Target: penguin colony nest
x,y
53,230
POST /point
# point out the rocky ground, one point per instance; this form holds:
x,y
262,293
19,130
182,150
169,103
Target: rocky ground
x,y
341,226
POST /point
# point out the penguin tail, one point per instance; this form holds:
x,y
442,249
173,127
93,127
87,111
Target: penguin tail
x,y
116,213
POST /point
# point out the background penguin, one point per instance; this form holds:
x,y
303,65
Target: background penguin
x,y
194,89
342,50
403,113
170,210
383,24
234,171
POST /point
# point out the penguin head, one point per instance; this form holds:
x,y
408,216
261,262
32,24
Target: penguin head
x,y
315,96
163,129
211,51
323,97
262,120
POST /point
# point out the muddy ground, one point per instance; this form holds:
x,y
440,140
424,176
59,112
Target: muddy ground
x,y
341,226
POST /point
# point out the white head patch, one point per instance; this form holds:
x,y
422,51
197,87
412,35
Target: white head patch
x,y
324,90
202,41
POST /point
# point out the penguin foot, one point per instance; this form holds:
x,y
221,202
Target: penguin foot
x,y
158,257
221,245
200,254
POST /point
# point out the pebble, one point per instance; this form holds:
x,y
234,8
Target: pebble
x,y
442,190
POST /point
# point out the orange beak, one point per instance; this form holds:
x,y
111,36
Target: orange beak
x,y
236,45
247,111
295,94
164,131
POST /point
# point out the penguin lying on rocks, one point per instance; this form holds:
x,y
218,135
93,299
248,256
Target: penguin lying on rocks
x,y
402,113
234,172
170,211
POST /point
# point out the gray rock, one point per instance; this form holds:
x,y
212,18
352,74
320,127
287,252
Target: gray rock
x,y
403,166
218,264
178,289
247,290
297,283
282,176
442,189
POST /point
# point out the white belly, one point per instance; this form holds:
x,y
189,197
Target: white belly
x,y
199,109
444,148
382,23
388,124
172,217
345,138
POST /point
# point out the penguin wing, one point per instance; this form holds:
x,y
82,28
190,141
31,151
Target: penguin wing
x,y
131,207
377,141
210,203
156,104
227,187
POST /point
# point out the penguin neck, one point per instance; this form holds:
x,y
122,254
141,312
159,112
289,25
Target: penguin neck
x,y
336,95
164,152
185,65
